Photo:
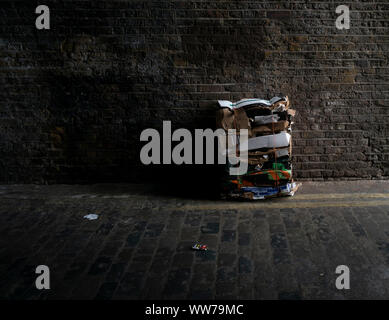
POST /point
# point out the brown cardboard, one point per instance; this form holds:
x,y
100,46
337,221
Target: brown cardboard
x,y
291,112
224,118
228,119
242,121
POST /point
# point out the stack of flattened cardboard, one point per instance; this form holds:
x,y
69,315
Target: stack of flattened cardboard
x,y
269,171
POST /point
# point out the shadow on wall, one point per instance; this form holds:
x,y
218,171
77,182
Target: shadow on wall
x,y
94,126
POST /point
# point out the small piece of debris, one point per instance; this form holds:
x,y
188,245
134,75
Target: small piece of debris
x,y
91,216
201,247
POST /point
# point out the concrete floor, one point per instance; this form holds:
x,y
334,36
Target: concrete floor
x,y
139,247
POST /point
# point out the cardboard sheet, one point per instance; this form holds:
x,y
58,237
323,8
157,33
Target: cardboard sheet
x,y
259,193
246,102
228,119
271,141
258,120
269,128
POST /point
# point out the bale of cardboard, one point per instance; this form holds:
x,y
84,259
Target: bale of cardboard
x,y
269,124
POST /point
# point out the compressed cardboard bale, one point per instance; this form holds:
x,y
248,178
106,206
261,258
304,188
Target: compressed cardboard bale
x,y
269,147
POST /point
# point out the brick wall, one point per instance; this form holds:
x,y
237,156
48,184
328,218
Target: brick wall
x,y
75,98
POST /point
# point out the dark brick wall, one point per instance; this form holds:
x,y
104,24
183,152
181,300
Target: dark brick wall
x,y
75,98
